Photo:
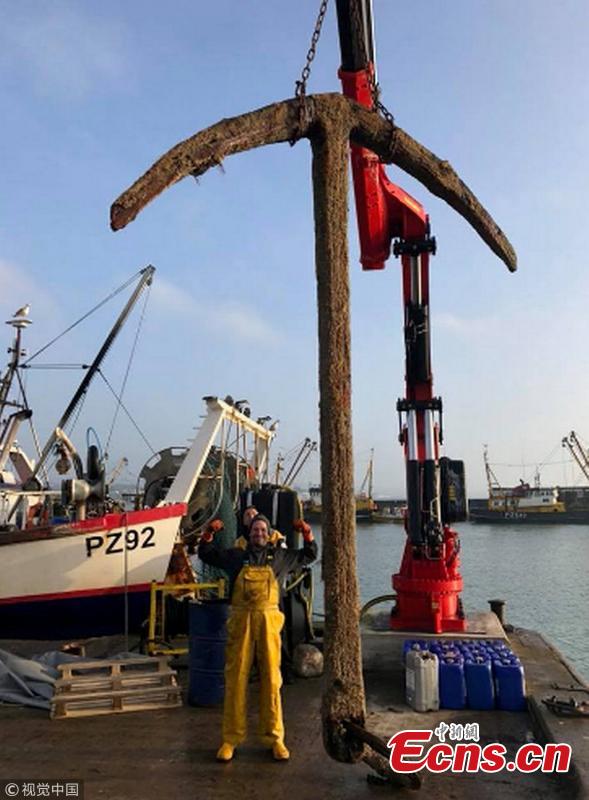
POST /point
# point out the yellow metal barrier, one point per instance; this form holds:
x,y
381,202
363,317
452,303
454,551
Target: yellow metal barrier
x,y
156,635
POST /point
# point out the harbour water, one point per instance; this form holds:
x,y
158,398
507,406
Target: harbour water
x,y
541,573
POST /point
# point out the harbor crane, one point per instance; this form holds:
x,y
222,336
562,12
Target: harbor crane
x,y
578,452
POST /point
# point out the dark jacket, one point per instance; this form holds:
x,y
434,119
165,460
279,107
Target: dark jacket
x,y
280,559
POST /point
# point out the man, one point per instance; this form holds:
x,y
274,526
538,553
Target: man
x,y
254,627
276,538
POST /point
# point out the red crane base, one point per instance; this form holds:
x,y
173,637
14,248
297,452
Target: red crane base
x,y
428,590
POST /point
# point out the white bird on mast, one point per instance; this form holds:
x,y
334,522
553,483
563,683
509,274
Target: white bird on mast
x,y
23,312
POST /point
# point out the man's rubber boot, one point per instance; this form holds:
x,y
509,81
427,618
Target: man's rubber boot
x,y
280,752
226,751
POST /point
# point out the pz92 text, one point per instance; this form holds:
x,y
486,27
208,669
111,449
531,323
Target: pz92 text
x,y
119,541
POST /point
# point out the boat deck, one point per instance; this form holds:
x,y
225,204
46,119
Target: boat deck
x,y
171,753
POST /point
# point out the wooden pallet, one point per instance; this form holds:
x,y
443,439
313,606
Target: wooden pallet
x,y
91,688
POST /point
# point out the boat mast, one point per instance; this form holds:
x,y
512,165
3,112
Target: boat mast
x,y
145,280
279,469
368,476
311,448
307,448
15,351
492,481
13,420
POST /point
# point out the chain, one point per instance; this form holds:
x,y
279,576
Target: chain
x,y
301,85
377,105
383,109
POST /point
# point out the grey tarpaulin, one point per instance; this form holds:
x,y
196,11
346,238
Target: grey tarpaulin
x,y
30,681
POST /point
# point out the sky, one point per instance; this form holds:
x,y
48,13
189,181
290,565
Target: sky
x,y
91,94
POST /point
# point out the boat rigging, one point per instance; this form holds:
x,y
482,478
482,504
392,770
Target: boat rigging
x,y
73,562
76,489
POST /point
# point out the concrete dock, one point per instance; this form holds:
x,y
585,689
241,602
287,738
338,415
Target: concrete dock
x,y
171,753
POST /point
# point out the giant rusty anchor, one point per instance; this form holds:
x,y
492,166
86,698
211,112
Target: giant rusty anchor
x,y
330,122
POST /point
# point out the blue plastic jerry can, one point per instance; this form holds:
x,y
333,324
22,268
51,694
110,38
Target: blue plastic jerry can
x,y
480,691
452,683
408,644
510,685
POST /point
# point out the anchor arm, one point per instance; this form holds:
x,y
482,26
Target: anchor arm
x,y
280,122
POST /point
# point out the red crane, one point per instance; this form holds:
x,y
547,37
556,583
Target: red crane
x,y
428,583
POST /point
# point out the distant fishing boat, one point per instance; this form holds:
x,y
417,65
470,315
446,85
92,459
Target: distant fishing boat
x,y
365,505
526,504
390,514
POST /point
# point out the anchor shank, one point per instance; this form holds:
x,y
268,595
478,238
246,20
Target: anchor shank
x,y
344,696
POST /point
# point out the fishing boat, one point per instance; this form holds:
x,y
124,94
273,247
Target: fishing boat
x,y
365,505
390,514
532,504
73,561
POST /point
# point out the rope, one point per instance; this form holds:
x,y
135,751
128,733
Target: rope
x,y
75,419
33,430
549,456
294,449
533,464
131,357
85,316
56,366
128,413
227,449
96,439
306,599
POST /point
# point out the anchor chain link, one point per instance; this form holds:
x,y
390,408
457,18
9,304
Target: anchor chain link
x,y
301,85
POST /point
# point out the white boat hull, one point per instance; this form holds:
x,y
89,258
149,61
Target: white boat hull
x,y
84,578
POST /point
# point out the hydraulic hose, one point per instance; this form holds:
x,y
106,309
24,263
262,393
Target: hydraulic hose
x,y
383,598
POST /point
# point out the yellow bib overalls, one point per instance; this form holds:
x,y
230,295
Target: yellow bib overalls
x,y
254,626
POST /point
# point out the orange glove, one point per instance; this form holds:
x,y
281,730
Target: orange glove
x,y
304,528
211,529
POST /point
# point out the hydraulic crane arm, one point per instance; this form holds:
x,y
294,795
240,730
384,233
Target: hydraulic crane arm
x,y
356,35
428,583
384,210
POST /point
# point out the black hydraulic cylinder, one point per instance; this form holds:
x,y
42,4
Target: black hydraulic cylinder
x,y
417,344
414,526
430,488
354,22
